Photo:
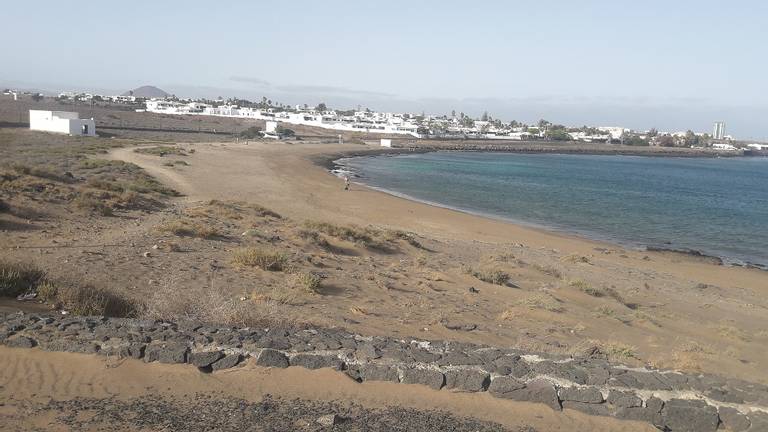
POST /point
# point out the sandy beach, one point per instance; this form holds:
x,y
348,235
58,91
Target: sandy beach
x,y
678,311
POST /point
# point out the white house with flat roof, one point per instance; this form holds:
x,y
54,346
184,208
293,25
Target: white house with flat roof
x,y
65,122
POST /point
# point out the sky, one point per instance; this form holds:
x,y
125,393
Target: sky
x,y
673,65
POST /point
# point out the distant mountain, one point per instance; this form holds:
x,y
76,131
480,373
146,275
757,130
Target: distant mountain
x,y
147,92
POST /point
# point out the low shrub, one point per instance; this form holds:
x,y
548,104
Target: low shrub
x,y
548,270
575,259
251,133
368,237
182,228
4,207
409,238
17,278
314,238
161,151
309,282
47,291
44,172
269,260
88,300
496,277
541,301
90,202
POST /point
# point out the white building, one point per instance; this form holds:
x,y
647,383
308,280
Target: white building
x,y
757,146
614,131
718,146
61,122
386,142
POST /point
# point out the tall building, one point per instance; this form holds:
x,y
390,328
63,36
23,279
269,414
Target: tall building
x,y
718,132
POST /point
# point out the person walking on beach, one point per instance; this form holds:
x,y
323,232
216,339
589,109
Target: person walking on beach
x,y
346,183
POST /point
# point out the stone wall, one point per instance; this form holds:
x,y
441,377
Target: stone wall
x,y
669,400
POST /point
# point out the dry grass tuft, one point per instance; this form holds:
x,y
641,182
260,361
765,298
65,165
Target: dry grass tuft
x,y
605,311
575,259
161,151
46,291
358,310
269,260
731,332
93,203
183,228
173,302
493,276
619,350
548,270
91,301
368,237
314,237
541,301
171,247
410,238
509,315
235,209
505,257
18,278
305,281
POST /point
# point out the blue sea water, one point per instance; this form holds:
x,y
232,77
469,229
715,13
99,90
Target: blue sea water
x,y
716,206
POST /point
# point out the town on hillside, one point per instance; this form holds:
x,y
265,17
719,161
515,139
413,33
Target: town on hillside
x,y
455,125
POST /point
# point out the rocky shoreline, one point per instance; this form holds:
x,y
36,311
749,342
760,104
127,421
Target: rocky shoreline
x,y
669,400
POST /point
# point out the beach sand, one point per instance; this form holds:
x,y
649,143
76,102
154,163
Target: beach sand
x,y
663,309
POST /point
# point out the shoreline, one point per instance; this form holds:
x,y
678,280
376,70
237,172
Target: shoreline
x,y
334,164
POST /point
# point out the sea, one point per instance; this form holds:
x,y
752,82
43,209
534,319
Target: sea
x,y
713,206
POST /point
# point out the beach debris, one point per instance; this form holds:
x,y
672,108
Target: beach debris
x,y
27,297
473,290
155,247
146,254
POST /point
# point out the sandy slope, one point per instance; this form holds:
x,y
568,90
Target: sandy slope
x,y
31,377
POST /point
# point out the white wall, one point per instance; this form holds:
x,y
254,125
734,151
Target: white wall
x,y
60,122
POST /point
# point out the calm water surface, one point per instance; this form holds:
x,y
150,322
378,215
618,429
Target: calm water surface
x,y
716,206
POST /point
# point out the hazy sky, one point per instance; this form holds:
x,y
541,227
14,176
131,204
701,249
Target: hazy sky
x,y
669,64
